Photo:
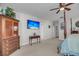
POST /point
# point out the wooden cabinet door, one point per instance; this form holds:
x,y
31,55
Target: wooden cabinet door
x,y
9,28
0,26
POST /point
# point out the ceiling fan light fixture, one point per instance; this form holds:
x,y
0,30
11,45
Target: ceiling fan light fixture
x,y
62,8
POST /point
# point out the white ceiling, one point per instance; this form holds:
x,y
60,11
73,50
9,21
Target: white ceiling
x,y
41,9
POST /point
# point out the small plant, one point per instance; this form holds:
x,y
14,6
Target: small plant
x,y
9,12
1,11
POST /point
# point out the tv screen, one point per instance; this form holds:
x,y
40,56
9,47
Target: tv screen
x,y
33,24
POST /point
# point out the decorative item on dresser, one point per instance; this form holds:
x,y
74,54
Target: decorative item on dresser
x,y
9,38
74,32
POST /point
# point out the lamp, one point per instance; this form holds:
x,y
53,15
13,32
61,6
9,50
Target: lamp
x,y
15,28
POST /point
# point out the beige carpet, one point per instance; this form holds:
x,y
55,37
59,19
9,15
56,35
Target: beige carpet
x,y
45,48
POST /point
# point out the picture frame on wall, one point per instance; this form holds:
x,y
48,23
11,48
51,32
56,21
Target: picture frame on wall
x,y
77,24
48,26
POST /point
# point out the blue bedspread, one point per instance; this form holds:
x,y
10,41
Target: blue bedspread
x,y
70,45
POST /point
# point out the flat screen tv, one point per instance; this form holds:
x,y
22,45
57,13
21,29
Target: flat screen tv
x,y
33,24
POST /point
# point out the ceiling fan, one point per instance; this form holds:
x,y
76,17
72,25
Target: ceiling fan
x,y
62,6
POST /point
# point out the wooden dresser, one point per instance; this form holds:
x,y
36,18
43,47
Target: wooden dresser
x,y
9,39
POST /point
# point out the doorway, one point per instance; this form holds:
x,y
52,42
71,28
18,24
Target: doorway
x,y
56,29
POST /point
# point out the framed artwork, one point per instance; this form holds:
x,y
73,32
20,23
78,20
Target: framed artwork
x,y
48,26
77,24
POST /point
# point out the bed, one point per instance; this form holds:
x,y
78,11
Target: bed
x,y
70,46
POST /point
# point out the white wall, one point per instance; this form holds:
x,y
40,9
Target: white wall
x,y
61,31
46,32
24,33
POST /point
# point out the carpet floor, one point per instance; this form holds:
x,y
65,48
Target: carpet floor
x,y
44,48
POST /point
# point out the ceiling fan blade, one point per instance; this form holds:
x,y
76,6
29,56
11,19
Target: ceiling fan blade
x,y
53,9
69,4
67,9
60,5
57,12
